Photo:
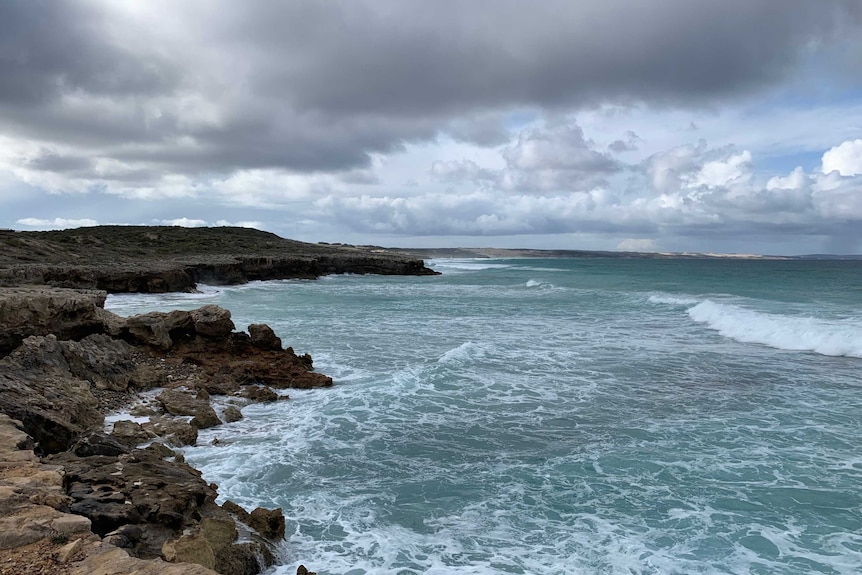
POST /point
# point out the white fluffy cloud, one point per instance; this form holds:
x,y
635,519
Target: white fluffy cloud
x,y
845,159
56,223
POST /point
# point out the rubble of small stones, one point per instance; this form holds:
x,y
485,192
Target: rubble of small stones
x,y
80,497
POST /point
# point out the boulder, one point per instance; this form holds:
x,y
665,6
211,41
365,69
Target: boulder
x,y
212,322
149,329
263,337
98,443
268,522
177,402
232,414
130,433
176,432
105,362
147,377
259,393
109,560
66,313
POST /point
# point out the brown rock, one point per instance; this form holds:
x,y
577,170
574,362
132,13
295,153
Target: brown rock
x,y
263,337
150,329
176,432
268,522
147,377
105,362
258,393
109,560
189,549
178,402
212,322
130,433
68,552
232,414
66,313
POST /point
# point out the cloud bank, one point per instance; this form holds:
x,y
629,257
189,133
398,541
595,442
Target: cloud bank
x,y
438,119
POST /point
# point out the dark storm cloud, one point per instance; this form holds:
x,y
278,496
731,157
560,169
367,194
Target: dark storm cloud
x,y
322,86
49,48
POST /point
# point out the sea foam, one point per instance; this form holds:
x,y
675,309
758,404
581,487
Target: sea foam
x,y
795,333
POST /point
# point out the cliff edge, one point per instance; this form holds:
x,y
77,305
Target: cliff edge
x,y
158,259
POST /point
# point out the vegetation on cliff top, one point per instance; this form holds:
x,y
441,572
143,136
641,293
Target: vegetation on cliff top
x,y
116,244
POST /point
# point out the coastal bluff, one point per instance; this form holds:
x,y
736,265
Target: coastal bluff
x,y
94,411
159,259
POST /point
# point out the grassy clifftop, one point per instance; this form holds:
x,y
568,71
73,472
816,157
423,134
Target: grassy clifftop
x,y
160,259
115,244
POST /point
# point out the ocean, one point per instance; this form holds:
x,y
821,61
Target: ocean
x,y
557,416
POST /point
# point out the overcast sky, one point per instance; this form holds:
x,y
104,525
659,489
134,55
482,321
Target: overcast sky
x,y
668,125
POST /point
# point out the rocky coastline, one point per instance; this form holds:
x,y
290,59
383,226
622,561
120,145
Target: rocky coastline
x,y
159,259
79,496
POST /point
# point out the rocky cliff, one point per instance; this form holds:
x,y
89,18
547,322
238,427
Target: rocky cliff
x,y
80,497
143,259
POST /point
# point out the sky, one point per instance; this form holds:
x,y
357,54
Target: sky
x,y
731,126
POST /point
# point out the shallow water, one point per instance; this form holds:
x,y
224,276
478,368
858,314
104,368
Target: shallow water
x,y
558,416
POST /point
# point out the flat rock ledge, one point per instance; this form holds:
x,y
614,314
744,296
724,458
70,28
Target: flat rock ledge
x,y
79,497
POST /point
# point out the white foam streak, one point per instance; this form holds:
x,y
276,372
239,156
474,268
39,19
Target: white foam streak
x,y
826,337
464,265
673,300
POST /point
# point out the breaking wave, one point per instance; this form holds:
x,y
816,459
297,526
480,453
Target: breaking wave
x,y
826,337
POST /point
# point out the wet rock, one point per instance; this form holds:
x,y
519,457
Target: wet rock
x,y
177,402
268,522
262,393
177,432
130,433
232,414
263,337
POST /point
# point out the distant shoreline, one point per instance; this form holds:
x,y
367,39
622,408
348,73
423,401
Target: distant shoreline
x,y
441,253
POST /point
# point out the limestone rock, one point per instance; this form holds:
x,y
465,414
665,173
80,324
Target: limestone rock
x,y
232,414
150,329
98,443
109,560
66,313
175,431
268,522
130,433
190,549
68,552
38,389
147,377
258,393
178,402
263,337
104,361
212,322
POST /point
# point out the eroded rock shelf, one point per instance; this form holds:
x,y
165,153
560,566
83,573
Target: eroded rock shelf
x,y
80,497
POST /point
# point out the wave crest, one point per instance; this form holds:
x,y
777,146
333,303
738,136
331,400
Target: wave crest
x,y
826,337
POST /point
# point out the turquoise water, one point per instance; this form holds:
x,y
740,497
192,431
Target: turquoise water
x,y
559,416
